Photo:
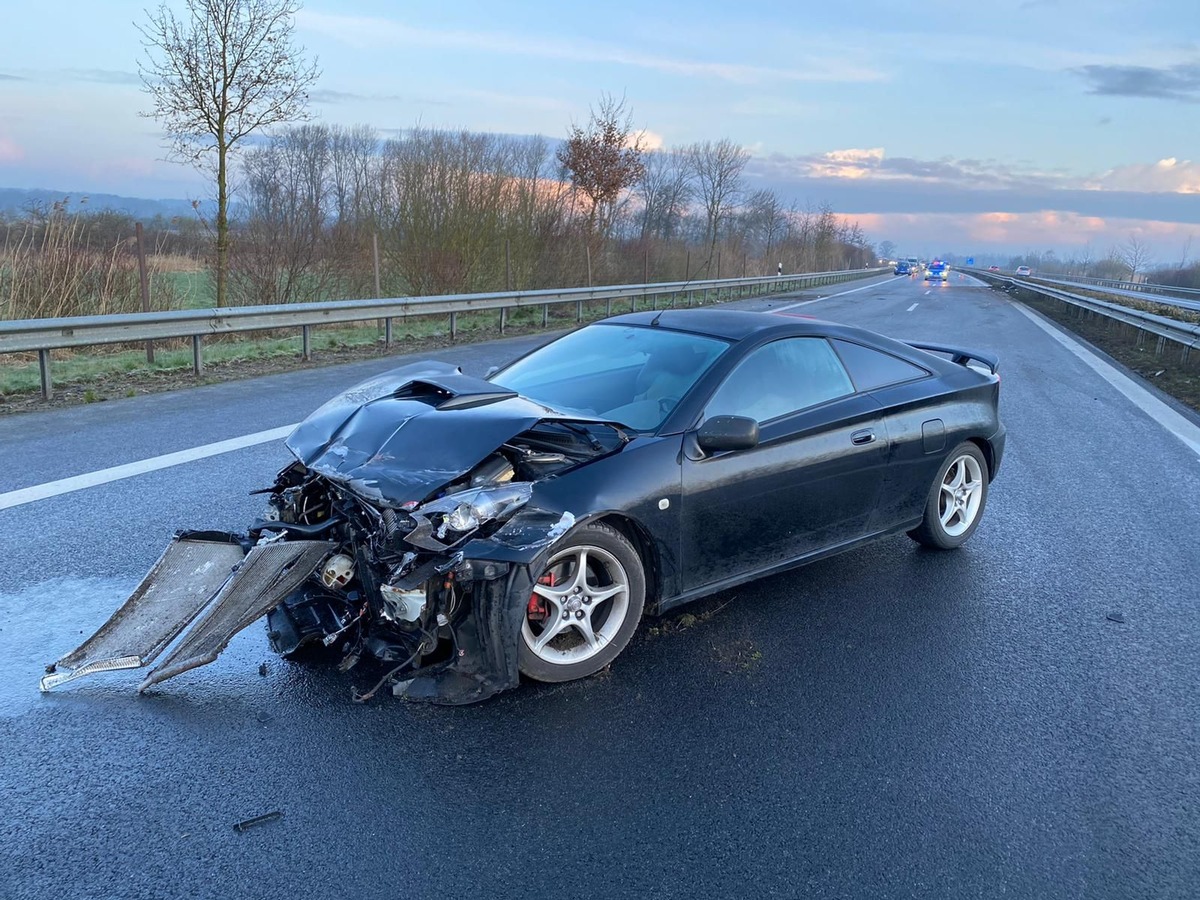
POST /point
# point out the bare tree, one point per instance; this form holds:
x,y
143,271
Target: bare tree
x,y
665,191
717,166
604,160
886,249
222,71
1084,259
764,221
1134,254
283,253
351,153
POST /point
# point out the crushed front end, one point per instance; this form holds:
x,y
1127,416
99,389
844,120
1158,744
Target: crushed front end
x,y
437,589
405,532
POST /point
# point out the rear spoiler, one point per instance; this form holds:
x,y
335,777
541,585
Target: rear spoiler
x,y
959,355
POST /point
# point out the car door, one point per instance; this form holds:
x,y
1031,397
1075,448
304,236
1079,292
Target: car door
x,y
914,414
810,483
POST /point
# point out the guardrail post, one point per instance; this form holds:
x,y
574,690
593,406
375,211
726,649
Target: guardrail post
x,y
387,332
44,371
306,342
453,325
144,284
503,318
579,310
545,314
197,355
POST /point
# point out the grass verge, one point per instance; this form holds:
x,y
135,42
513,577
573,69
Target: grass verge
x,y
1167,371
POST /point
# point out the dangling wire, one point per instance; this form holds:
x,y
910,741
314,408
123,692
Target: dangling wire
x,y
363,698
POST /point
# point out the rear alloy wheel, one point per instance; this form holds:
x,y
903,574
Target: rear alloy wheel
x,y
586,603
956,500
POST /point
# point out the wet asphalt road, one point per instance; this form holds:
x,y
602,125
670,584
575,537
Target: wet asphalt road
x,y
890,723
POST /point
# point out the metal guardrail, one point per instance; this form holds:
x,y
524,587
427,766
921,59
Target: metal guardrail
x,y
1136,287
1134,290
43,335
1166,329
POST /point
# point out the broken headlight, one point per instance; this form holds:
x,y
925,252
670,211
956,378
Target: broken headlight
x,y
467,510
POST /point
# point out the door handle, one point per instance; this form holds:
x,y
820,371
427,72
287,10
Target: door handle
x,y
866,436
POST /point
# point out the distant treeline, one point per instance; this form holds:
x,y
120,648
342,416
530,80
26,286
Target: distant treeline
x,y
442,211
1128,261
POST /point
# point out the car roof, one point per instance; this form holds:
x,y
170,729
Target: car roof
x,y
729,324
737,325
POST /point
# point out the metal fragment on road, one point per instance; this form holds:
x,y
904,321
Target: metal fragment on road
x,y
171,595
257,820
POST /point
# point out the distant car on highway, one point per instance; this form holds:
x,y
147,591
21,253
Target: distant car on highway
x,y
993,268
937,271
903,268
1024,270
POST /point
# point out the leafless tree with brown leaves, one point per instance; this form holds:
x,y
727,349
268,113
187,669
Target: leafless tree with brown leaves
x,y
221,71
604,160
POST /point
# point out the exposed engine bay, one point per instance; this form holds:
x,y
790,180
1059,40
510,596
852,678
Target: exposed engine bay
x,y
391,536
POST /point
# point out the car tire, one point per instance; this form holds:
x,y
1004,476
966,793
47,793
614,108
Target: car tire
x,y
605,604
956,500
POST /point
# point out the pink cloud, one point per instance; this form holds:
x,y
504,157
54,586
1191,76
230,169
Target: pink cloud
x,y
1064,232
10,150
1173,175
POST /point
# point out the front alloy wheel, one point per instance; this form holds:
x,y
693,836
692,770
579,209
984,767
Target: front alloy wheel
x,y
585,606
956,500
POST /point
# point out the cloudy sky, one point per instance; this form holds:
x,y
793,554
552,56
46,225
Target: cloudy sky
x,y
944,127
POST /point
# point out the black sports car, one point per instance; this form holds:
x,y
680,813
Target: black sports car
x,y
467,531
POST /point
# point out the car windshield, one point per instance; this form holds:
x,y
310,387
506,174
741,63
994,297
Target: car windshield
x,y
627,374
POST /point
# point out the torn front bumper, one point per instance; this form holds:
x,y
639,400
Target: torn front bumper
x,y
202,577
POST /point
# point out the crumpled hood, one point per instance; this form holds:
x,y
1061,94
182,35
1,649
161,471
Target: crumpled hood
x,y
401,436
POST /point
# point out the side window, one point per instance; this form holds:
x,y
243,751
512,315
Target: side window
x,y
873,369
780,378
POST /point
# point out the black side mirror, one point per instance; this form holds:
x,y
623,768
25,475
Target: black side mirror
x,y
727,433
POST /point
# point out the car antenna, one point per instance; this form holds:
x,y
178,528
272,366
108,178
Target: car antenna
x,y
704,268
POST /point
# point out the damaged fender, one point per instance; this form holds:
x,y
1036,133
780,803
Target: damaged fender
x,y
501,569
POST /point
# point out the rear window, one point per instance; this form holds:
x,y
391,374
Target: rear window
x,y
871,369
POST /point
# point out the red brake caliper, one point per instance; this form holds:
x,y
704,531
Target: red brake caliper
x,y
538,611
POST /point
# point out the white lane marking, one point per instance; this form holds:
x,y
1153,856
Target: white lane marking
x,y
911,308
129,470
1140,397
927,293
827,297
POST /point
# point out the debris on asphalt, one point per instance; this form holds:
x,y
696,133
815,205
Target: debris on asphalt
x,y
1115,617
257,820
